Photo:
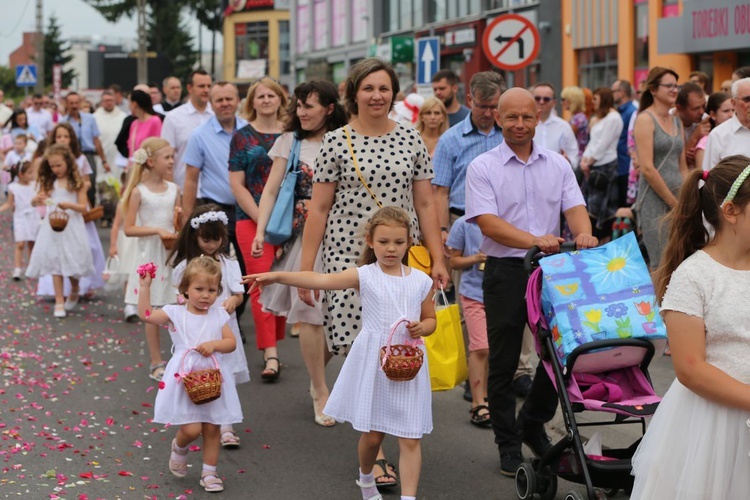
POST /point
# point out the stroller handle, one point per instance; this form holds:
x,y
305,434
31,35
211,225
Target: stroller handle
x,y
531,261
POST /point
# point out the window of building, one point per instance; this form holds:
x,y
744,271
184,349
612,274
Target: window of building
x,y
303,27
641,42
251,41
339,25
441,10
320,24
597,66
285,45
360,20
510,4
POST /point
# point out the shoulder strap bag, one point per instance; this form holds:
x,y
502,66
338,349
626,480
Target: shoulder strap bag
x,y
279,228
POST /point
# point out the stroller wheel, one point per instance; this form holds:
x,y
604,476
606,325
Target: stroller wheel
x,y
574,495
546,484
525,481
610,492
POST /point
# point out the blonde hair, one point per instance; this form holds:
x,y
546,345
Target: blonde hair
x,y
576,98
200,265
249,111
429,104
151,146
386,216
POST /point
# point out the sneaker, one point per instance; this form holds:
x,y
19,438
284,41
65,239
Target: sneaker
x,y
17,274
522,386
509,463
130,313
537,440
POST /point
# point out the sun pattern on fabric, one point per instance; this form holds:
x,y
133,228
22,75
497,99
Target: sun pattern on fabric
x,y
612,269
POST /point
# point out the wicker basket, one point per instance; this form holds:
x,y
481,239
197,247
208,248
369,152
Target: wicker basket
x,y
400,362
58,219
202,386
95,213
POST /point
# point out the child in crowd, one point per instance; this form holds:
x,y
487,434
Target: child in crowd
x,y
464,241
63,254
205,233
26,219
151,205
205,329
698,442
13,158
392,293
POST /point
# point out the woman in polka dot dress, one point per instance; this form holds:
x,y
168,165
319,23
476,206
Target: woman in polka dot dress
x,y
394,164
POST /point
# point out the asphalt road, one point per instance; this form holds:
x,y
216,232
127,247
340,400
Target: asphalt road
x,y
76,404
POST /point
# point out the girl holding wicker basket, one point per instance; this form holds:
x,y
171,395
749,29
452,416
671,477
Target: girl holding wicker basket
x,y
198,391
383,387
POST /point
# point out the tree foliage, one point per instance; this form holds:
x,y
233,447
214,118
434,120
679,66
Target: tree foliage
x,y
56,51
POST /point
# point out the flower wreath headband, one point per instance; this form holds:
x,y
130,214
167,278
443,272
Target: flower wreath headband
x,y
212,216
142,155
736,185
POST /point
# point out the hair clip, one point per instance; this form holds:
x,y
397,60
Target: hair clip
x,y
736,185
141,155
212,216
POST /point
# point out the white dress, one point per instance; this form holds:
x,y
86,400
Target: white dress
x,y
695,449
26,220
173,405
64,253
236,361
362,394
156,210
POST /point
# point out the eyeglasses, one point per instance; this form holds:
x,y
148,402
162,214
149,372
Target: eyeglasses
x,y
670,86
745,99
543,99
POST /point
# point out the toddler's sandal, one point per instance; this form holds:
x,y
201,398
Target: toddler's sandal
x,y
229,439
156,372
177,467
212,483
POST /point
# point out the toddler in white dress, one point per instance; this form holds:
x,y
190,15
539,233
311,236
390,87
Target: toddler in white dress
x,y
202,337
26,220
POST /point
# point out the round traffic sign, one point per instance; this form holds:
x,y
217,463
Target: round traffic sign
x,y
511,42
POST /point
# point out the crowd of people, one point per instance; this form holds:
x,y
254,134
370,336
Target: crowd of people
x,y
191,185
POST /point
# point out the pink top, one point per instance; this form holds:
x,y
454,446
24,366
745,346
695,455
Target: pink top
x,y
702,143
140,131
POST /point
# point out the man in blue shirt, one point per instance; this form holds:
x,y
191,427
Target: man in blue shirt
x,y
622,92
87,131
206,158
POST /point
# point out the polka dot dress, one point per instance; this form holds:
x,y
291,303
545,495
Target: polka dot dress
x,y
390,164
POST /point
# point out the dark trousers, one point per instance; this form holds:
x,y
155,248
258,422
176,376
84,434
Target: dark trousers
x,y
91,193
231,229
504,287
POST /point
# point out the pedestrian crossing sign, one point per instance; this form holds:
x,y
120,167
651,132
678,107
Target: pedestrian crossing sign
x,y
26,75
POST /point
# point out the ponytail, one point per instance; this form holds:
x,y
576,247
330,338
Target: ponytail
x,y
141,157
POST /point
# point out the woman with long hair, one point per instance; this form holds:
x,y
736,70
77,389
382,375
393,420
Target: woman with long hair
x,y
146,123
659,147
432,122
249,169
574,101
314,111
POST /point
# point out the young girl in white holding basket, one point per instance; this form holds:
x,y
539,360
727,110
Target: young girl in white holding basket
x,y
205,233
200,334
151,206
397,311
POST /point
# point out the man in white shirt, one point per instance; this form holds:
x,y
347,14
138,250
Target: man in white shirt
x,y
553,132
172,89
38,116
733,136
109,119
181,122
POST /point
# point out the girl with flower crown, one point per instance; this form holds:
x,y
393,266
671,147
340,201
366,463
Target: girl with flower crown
x,y
151,205
205,235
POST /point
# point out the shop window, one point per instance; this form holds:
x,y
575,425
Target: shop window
x,y
252,43
597,66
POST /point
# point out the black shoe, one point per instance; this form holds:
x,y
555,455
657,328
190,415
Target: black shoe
x,y
537,440
522,386
467,392
509,463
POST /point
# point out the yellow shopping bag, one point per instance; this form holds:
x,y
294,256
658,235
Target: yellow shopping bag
x,y
446,353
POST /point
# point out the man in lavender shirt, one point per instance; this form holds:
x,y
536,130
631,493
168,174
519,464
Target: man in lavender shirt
x,y
516,192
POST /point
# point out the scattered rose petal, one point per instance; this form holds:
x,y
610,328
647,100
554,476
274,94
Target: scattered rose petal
x,y
162,384
124,473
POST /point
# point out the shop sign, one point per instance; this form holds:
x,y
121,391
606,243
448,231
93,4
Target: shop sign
x,y
703,27
466,36
397,49
240,5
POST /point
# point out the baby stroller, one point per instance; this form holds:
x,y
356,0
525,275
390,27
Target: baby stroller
x,y
604,372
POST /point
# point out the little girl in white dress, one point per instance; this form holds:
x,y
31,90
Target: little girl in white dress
x,y
201,338
394,298
26,220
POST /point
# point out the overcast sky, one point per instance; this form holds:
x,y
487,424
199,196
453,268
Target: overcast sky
x,y
76,18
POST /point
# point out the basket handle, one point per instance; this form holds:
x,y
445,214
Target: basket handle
x,y
409,341
182,373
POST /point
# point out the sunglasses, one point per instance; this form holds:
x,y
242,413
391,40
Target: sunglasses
x,y
544,99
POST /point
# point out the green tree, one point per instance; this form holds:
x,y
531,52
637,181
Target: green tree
x,y
8,83
56,52
166,34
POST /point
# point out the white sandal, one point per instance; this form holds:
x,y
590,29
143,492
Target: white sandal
x,y
370,485
176,467
232,440
212,483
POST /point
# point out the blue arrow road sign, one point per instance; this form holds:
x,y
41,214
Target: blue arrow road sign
x,y
428,59
26,75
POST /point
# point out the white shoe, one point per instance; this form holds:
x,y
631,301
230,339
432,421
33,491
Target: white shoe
x,y
130,313
60,311
71,304
17,274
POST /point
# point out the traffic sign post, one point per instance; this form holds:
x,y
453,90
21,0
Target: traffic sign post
x,y
26,75
428,59
511,42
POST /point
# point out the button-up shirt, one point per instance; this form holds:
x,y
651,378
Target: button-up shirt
x,y
605,133
41,119
729,138
208,150
557,135
86,130
529,195
456,148
178,125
